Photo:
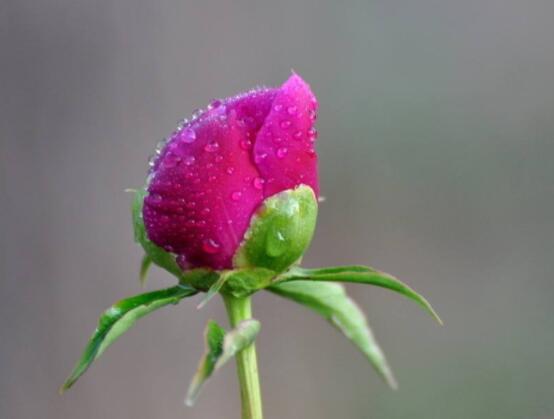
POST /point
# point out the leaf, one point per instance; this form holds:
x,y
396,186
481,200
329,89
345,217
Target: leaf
x,y
331,302
118,319
144,267
158,255
213,335
360,275
237,339
220,347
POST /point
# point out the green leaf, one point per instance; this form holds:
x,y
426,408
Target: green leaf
x,y
280,231
359,275
158,255
237,339
220,347
144,267
118,319
331,302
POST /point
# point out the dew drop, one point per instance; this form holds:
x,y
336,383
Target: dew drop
x,y
245,144
312,134
218,158
189,160
285,124
230,170
188,135
291,110
235,196
258,183
282,152
277,107
211,147
275,244
298,135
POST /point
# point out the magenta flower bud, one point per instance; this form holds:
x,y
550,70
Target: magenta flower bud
x,y
215,171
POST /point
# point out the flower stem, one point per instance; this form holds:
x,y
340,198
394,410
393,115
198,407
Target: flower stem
x,y
240,309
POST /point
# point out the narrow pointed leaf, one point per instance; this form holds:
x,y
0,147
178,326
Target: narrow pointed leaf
x,y
213,335
359,275
237,339
144,268
331,302
118,319
220,347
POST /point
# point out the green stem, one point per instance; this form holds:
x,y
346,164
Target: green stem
x,y
240,309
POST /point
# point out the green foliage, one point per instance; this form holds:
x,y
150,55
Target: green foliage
x,y
118,319
331,302
360,275
220,347
280,232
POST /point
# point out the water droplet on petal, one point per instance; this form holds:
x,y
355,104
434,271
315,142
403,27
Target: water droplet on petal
x,y
210,246
277,107
211,147
298,135
216,103
230,170
312,134
258,183
235,196
282,152
188,135
285,124
291,110
218,158
275,243
245,144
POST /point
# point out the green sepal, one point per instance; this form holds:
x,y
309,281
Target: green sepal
x,y
118,319
237,282
145,264
157,255
220,347
360,275
280,231
332,303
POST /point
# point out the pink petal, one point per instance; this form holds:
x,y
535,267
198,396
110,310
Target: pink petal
x,y
204,187
284,149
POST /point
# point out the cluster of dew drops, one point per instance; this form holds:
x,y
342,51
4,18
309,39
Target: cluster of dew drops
x,y
186,134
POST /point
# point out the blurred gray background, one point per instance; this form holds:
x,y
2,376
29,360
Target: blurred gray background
x,y
436,144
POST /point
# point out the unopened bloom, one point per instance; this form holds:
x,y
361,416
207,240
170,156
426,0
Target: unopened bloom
x,y
217,169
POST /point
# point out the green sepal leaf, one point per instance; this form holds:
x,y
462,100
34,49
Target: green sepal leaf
x,y
118,319
280,231
243,282
359,275
220,347
144,268
331,302
158,255
214,289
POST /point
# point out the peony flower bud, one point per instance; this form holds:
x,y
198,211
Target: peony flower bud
x,y
214,173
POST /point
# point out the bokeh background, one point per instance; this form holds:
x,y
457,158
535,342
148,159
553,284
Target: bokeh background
x,y
436,145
